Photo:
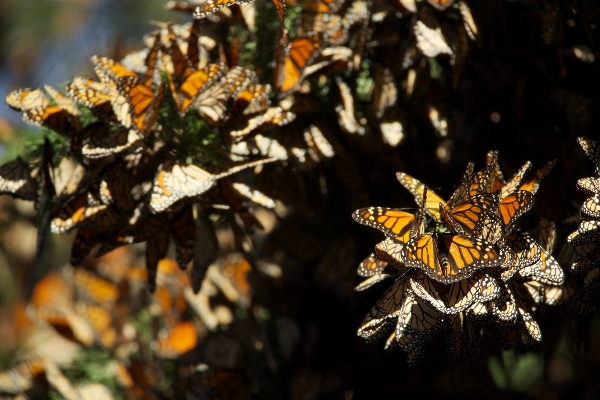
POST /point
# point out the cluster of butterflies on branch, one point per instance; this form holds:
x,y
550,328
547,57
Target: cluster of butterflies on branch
x,y
463,265
111,309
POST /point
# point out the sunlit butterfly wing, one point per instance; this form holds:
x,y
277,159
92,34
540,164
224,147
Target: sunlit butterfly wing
x,y
462,190
592,150
293,58
212,6
590,209
345,111
513,206
471,215
16,181
416,187
450,258
212,104
394,223
587,232
513,183
390,251
180,339
274,116
144,104
254,195
174,182
589,185
468,20
431,42
372,265
546,270
97,96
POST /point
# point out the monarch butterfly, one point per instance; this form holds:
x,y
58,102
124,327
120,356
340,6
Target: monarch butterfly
x,y
546,270
430,41
319,146
417,188
461,192
274,116
468,21
345,111
513,183
527,251
92,288
505,308
532,184
589,185
212,6
531,326
396,224
185,81
390,251
258,145
180,339
591,207
212,104
367,283
513,206
462,294
16,181
38,111
100,319
293,58
174,182
449,258
388,308
473,215
137,105
254,195
587,232
77,212
103,143
101,98
418,320
592,150
253,100
86,239
590,260
385,92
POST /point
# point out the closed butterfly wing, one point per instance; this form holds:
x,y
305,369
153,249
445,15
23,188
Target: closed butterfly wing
x,y
212,6
461,193
417,188
587,232
589,185
212,104
381,317
174,182
372,265
16,181
592,150
546,270
515,181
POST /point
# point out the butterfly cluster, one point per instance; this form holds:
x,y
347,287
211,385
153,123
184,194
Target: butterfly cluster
x,y
168,124
110,310
461,265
